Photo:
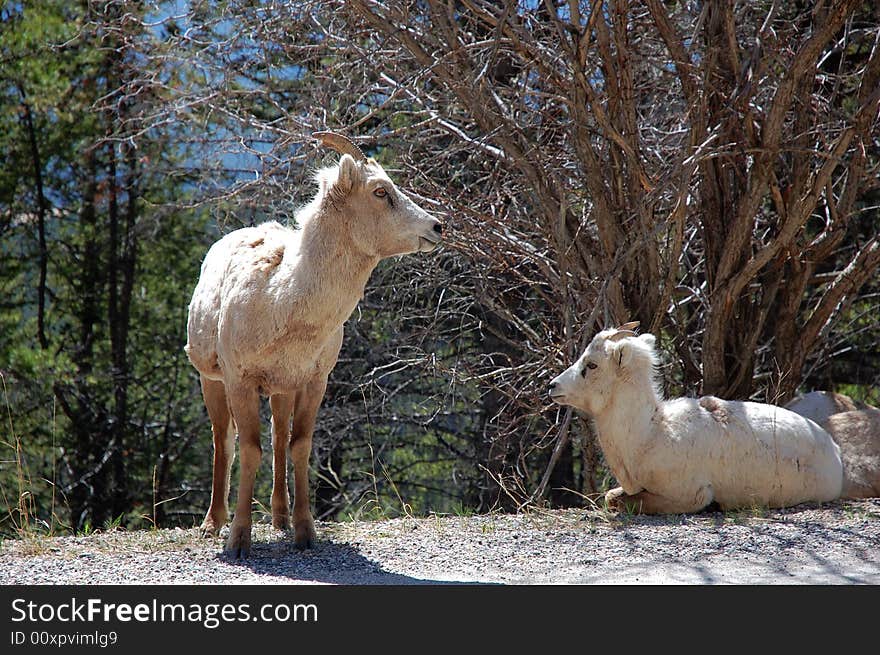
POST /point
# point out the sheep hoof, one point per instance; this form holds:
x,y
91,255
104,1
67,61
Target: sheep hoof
x,y
619,501
304,534
281,521
239,543
211,526
613,497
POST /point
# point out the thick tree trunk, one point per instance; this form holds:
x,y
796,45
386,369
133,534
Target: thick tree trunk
x,y
42,211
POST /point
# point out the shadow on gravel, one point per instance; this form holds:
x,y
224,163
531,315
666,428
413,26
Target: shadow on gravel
x,y
777,551
721,571
326,562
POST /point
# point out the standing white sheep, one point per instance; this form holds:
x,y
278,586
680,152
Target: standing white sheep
x,y
674,456
266,319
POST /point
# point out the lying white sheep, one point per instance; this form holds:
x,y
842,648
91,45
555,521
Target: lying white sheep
x,y
819,405
855,428
857,433
266,318
680,455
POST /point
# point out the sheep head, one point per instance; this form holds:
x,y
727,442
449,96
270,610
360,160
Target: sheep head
x,y
614,357
381,220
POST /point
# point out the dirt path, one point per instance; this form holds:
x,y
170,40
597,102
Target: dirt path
x,y
838,543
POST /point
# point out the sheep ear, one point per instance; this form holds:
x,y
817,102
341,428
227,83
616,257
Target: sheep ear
x,y
349,173
649,339
622,354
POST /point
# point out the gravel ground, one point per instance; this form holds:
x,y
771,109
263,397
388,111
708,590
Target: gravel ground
x,y
837,543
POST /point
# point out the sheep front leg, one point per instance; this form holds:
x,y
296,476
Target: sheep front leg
x,y
245,405
308,400
214,394
282,406
645,502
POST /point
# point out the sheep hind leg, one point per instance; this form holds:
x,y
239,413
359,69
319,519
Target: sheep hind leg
x,y
645,502
214,394
282,406
308,400
245,405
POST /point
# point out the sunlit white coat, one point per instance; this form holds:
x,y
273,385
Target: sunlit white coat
x,y
673,456
819,405
266,318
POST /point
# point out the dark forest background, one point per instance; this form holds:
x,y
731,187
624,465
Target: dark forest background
x,y
707,168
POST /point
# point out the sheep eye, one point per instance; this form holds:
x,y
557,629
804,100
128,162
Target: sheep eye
x,y
380,192
590,365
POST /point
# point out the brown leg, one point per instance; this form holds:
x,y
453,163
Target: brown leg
x,y
308,400
214,394
245,405
645,502
282,405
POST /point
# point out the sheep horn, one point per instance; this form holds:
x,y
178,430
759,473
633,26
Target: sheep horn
x,y
620,334
632,325
341,144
